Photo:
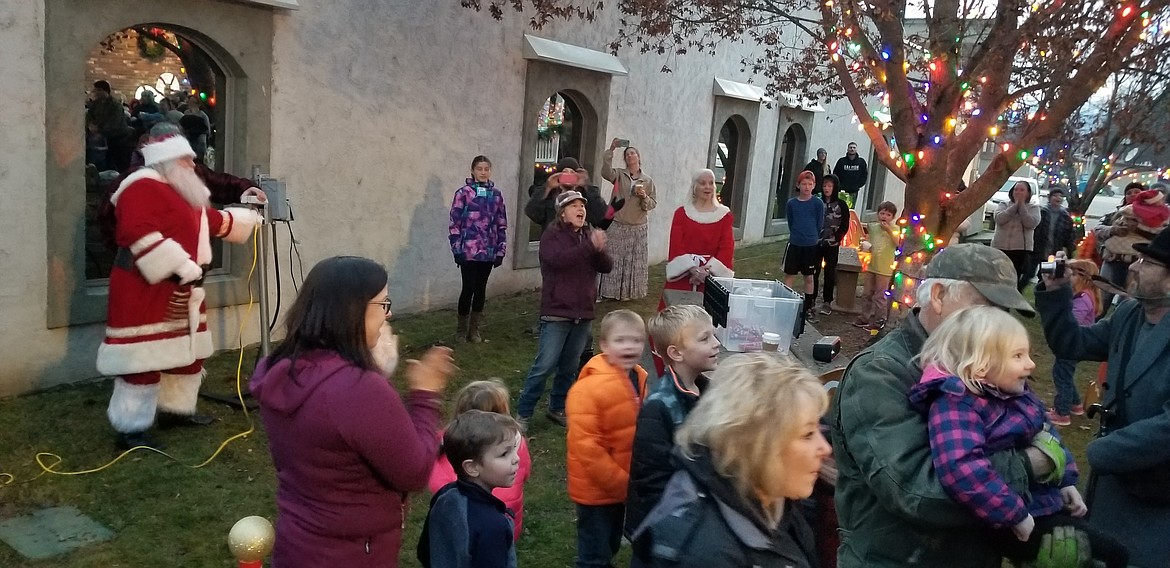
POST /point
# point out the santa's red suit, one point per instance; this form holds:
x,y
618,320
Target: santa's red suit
x,y
156,334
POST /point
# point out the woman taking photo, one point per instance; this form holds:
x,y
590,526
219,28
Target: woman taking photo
x,y
634,196
479,240
347,449
1015,225
750,450
572,254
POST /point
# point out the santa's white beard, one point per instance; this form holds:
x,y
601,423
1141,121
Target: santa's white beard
x,y
184,181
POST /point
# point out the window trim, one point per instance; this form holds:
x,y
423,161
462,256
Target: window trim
x,y
71,298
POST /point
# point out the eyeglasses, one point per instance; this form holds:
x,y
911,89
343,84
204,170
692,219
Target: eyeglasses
x,y
385,305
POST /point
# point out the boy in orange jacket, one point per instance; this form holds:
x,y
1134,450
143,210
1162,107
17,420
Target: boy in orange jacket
x,y
602,411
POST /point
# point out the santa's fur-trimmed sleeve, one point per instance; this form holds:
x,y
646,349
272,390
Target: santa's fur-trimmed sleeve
x,y
157,258
235,223
719,269
679,265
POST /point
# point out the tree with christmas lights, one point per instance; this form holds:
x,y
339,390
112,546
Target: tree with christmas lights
x,y
1119,137
930,89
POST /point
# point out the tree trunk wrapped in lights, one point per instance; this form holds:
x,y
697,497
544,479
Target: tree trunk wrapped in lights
x,y
956,78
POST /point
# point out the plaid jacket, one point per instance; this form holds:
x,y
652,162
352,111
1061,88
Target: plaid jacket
x,y
965,428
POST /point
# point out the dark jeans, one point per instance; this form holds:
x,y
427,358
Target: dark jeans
x,y
599,534
1104,547
1021,260
560,347
475,277
1063,371
827,255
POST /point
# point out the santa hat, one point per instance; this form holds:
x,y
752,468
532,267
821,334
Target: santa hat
x,y
1150,208
166,149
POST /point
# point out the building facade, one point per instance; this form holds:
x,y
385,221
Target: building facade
x,y
370,112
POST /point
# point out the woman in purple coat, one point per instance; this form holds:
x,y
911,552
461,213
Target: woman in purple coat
x,y
479,240
347,449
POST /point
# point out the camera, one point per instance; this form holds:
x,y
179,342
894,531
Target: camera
x,y
1055,268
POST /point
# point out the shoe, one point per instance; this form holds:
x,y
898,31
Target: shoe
x,y
1078,410
1058,419
861,322
557,417
168,420
523,422
134,439
826,309
473,335
811,316
461,329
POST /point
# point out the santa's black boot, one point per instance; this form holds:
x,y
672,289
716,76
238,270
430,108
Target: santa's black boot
x,y
176,401
168,420
131,412
127,440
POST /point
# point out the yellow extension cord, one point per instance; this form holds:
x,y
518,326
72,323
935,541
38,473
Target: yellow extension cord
x,y
55,460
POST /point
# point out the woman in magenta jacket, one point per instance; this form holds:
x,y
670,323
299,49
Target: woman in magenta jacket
x,y
347,449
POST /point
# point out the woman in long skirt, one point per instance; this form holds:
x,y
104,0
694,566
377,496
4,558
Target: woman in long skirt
x,y
633,199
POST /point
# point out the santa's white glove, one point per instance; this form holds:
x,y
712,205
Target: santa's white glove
x,y
189,272
245,215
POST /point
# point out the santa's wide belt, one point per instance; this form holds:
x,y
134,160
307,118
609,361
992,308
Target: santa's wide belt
x,y
124,259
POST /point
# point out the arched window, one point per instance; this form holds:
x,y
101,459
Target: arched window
x,y
228,56
558,135
184,85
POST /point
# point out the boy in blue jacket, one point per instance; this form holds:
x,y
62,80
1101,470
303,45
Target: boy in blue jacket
x,y
468,527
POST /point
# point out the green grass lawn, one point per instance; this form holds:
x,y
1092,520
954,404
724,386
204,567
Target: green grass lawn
x,y
165,513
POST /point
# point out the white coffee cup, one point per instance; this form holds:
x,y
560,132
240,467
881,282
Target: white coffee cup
x,y
771,341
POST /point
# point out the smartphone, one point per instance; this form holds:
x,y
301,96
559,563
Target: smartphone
x,y
623,143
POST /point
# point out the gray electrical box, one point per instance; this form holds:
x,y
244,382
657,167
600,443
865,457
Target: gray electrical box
x,y
278,209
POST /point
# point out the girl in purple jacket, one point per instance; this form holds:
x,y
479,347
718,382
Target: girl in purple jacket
x,y
974,393
347,448
479,241
1086,306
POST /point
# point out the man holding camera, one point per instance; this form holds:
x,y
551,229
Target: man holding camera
x,y
1129,492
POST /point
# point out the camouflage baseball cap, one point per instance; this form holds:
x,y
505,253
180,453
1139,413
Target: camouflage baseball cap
x,y
989,270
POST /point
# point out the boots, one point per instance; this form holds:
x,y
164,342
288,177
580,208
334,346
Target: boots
x,y
461,330
473,332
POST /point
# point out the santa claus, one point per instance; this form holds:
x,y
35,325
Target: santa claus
x,y
156,334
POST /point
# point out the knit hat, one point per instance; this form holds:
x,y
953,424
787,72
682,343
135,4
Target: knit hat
x,y
568,197
567,163
166,149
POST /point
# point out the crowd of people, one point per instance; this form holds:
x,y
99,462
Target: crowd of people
x,y
940,455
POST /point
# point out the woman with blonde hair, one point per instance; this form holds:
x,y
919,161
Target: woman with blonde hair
x,y
750,449
701,240
1086,306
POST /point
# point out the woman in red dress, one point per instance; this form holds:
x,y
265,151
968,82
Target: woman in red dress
x,y
701,242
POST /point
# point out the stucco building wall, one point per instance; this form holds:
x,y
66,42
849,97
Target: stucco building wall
x,y
376,109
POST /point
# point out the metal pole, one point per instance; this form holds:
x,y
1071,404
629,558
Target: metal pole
x,y
265,243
